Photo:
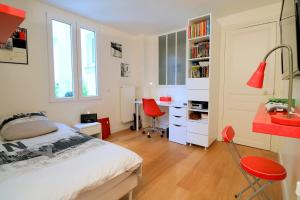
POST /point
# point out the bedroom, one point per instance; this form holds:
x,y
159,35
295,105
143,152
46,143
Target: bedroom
x,y
169,170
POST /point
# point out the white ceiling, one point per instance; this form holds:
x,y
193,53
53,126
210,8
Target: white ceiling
x,y
153,16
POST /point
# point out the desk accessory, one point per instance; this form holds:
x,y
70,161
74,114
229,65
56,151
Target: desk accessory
x,y
88,118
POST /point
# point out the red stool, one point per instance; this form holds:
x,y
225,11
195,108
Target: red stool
x,y
254,167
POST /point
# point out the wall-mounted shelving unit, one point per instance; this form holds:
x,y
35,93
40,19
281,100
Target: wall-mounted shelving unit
x,y
198,67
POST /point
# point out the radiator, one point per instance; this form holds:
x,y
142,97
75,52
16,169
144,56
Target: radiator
x,y
127,103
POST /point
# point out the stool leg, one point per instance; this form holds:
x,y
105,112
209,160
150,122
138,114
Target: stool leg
x,y
259,190
245,189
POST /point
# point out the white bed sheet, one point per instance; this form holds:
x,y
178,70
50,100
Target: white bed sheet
x,y
65,177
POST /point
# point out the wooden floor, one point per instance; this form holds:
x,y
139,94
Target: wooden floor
x,y
173,172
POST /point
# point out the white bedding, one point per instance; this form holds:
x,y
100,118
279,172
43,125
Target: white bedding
x,y
63,176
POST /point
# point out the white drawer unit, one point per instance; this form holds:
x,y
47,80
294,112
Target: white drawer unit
x,y
201,140
178,111
177,125
177,134
200,127
178,120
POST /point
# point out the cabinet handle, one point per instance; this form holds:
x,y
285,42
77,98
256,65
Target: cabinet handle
x,y
177,125
177,107
177,116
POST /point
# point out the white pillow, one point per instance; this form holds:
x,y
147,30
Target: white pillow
x,y
25,125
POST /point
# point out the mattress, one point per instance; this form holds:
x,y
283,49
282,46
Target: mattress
x,y
60,165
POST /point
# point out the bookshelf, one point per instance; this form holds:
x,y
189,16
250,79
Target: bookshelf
x,y
197,80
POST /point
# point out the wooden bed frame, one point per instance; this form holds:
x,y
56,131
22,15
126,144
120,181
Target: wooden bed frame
x,y
114,189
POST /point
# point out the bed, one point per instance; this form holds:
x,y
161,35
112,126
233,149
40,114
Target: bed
x,y
65,165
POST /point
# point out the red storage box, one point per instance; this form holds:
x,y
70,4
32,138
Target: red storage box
x,y
166,99
105,125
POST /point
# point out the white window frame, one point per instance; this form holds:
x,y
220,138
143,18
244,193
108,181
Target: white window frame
x,y
166,85
89,28
76,58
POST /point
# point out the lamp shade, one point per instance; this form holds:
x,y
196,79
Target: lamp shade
x,y
257,79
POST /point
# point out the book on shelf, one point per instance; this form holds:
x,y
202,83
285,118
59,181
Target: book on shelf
x,y
200,70
199,50
199,29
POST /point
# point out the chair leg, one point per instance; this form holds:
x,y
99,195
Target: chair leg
x,y
153,129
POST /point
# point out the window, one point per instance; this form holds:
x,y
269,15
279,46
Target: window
x,y
88,63
73,62
62,60
172,58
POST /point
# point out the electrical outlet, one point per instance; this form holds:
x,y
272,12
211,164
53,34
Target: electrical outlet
x,y
298,189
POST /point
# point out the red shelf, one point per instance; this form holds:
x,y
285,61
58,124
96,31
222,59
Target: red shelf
x,y
10,19
262,124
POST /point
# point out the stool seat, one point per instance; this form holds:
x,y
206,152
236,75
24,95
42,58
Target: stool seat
x,y
263,168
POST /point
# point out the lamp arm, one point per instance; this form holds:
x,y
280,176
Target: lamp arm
x,y
290,91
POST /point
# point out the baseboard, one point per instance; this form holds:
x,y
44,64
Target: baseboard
x,y
283,183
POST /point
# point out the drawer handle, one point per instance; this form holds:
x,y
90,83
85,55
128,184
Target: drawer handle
x,y
177,107
177,125
177,116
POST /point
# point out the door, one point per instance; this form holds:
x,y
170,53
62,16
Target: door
x,y
244,50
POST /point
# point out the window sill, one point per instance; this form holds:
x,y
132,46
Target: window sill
x,y
75,100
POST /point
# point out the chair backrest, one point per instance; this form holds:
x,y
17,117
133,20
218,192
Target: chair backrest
x,y
150,107
228,134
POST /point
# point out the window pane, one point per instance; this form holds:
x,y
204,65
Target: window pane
x,y
181,46
162,60
171,59
88,63
62,59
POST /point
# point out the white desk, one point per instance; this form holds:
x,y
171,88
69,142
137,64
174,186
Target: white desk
x,y
159,103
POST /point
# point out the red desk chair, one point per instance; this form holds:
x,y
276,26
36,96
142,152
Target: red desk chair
x,y
254,167
152,110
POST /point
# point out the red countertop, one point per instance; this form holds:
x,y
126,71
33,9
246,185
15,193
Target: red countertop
x,y
262,124
10,19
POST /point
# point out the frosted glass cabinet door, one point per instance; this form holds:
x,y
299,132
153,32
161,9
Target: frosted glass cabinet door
x,y
171,68
181,54
162,59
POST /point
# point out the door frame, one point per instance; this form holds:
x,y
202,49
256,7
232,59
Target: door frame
x,y
239,21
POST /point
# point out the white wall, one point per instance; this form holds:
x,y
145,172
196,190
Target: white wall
x,y
289,149
25,88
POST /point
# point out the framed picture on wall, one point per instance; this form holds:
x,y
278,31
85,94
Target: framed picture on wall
x,y
15,49
125,72
116,49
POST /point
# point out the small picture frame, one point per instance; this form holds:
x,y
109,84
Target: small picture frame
x,y
116,49
125,72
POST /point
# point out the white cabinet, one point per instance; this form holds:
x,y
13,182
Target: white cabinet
x,y
197,83
177,125
178,111
197,139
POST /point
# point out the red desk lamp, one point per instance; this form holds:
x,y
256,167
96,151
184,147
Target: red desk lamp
x,y
257,81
